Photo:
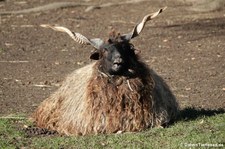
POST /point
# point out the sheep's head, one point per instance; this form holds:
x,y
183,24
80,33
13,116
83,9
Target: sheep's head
x,y
116,54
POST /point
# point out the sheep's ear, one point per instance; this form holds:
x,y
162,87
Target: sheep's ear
x,y
95,55
139,27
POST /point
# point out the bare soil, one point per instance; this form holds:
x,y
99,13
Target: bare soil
x,y
186,48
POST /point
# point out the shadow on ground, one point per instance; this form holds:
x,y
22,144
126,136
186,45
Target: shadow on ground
x,y
189,113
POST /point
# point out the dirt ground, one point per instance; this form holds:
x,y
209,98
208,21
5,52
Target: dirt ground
x,y
186,48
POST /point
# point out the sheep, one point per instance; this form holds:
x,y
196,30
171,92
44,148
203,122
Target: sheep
x,y
116,93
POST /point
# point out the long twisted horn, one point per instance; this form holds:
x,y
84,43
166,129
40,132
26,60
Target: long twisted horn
x,y
139,27
81,39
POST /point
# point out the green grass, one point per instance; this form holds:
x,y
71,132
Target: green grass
x,y
200,130
1,50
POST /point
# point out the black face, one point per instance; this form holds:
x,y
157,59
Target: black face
x,y
115,58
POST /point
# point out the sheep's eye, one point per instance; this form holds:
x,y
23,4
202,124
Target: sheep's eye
x,y
126,47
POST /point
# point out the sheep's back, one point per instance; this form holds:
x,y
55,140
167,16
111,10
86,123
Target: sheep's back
x,y
165,106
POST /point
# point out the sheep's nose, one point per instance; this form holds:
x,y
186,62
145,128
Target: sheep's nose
x,y
118,59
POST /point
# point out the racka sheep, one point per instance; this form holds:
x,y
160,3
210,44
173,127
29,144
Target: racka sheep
x,y
116,93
